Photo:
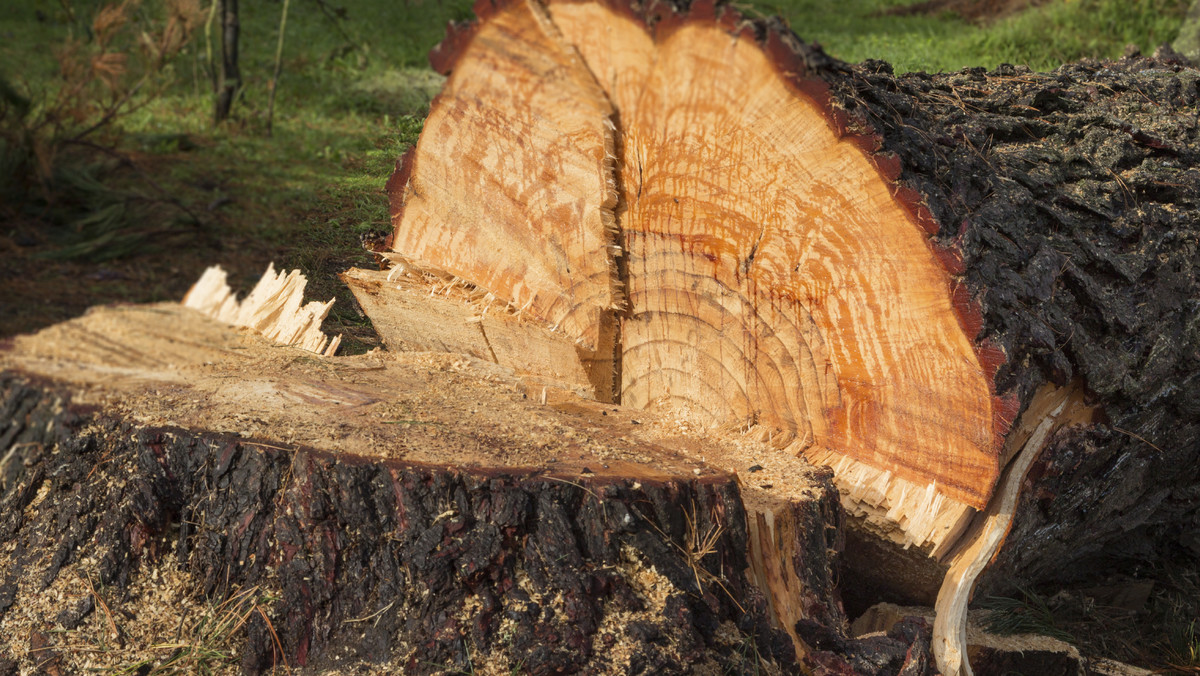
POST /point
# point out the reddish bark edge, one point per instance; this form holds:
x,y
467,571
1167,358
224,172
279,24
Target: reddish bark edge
x,y
459,34
804,68
396,186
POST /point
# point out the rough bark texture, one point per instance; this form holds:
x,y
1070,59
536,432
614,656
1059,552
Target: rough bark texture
x,y
1074,200
415,512
454,567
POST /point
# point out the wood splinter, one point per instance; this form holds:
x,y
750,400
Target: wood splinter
x,y
272,309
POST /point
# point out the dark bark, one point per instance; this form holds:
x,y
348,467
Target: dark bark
x,y
461,567
230,80
1073,198
904,650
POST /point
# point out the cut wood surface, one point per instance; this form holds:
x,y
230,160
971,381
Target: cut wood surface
x,y
663,258
414,316
881,273
439,407
438,494
761,249
524,97
760,311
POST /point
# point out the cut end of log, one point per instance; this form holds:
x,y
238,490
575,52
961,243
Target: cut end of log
x,y
767,266
274,308
455,483
678,191
463,402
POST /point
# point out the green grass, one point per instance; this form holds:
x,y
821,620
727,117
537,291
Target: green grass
x,y
1042,38
1030,614
355,87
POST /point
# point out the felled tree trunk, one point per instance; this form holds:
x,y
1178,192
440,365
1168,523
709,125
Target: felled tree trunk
x,y
428,512
973,295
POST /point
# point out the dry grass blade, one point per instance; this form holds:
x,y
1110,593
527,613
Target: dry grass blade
x,y
275,637
373,616
700,546
1182,649
211,639
112,625
1027,615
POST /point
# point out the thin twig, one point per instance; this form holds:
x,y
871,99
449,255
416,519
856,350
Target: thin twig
x,y
110,113
126,161
690,555
337,22
112,625
1139,438
262,445
577,485
375,614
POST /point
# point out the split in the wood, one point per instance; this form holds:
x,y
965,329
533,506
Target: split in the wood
x,y
674,212
773,276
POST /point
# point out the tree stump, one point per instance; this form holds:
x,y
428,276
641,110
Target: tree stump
x,y
420,511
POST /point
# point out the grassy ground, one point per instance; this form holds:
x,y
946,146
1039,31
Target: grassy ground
x,y
351,98
355,87
1041,37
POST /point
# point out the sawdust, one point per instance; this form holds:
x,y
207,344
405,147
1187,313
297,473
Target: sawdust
x,y
159,612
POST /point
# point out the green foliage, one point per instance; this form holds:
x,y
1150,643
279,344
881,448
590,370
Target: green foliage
x,y
1068,31
102,222
1182,649
104,69
1176,608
